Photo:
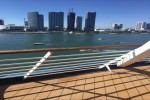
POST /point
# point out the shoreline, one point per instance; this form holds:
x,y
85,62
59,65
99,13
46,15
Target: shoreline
x,y
76,32
24,32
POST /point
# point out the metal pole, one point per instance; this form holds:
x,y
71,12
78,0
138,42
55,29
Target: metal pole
x,y
38,64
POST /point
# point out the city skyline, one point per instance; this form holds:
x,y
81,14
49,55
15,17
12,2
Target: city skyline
x,y
108,11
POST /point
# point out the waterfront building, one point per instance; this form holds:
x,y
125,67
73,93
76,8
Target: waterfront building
x,y
25,23
79,23
143,25
70,21
121,26
90,21
16,28
148,26
1,22
56,21
117,26
41,22
3,27
33,20
140,26
11,27
114,26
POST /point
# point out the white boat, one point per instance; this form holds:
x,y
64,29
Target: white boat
x,y
100,39
71,32
39,43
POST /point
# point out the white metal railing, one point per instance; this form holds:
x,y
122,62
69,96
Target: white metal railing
x,y
54,64
20,66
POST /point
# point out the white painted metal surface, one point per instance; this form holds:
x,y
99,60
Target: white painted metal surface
x,y
38,64
129,58
135,55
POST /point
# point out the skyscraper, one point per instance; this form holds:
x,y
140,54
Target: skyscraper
x,y
70,21
33,20
41,22
90,21
117,26
25,22
79,23
140,26
1,22
148,26
56,21
114,26
121,26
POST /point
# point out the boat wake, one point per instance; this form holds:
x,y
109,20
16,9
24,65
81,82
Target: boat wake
x,y
39,43
91,50
48,44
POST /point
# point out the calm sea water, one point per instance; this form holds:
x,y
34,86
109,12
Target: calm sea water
x,y
15,41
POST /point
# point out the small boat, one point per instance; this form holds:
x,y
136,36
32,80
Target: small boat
x,y
39,43
71,32
100,39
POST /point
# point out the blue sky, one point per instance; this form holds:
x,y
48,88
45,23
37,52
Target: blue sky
x,y
127,12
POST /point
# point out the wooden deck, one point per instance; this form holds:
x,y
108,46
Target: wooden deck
x,y
128,83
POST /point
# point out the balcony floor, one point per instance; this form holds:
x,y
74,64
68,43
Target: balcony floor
x,y
124,83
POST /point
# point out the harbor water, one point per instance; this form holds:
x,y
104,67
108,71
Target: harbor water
x,y
18,41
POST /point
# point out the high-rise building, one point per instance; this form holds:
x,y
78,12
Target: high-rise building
x,y
26,23
140,26
35,20
79,23
90,21
114,26
121,26
56,21
144,25
41,22
148,26
70,21
1,22
117,26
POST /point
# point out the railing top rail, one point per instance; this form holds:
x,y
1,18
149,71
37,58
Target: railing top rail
x,y
66,49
